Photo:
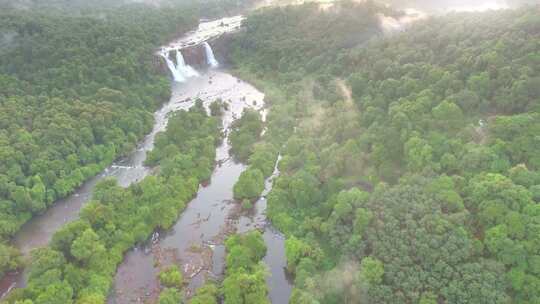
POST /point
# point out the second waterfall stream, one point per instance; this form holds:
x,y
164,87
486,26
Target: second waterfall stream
x,y
210,57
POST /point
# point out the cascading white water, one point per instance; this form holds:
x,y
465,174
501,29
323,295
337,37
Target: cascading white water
x,y
210,58
182,67
177,76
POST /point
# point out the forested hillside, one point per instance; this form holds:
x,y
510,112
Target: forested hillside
x,y
75,93
413,173
110,8
80,263
448,5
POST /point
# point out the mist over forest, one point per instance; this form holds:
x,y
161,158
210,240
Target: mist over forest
x,y
448,5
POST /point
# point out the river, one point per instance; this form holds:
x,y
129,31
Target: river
x,y
196,240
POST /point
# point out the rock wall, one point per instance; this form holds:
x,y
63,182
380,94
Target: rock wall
x,y
195,56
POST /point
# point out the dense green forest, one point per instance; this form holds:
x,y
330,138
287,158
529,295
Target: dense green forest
x,y
413,173
245,132
207,8
80,263
409,168
77,90
75,93
247,146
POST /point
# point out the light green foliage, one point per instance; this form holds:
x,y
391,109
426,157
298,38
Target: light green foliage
x,y
245,269
249,185
245,132
441,131
88,107
494,196
81,261
87,246
171,277
446,143
253,287
371,271
521,175
244,250
419,154
449,115
362,219
428,298
344,219
56,293
444,191
170,296
295,250
77,91
10,259
263,158
299,296
247,205
194,135
206,295
91,299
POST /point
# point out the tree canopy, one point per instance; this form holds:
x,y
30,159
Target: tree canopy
x,y
79,264
412,173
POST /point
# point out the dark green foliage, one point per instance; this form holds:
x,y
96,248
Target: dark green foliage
x,y
171,277
249,185
206,295
441,257
81,261
442,129
303,38
371,271
245,269
263,158
190,133
245,132
10,259
217,107
76,92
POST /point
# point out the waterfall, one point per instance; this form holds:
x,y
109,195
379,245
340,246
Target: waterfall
x,y
178,77
210,58
182,67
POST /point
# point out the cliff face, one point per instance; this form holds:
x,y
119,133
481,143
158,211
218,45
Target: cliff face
x,y
195,56
221,46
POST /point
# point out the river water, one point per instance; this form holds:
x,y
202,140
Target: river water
x,y
195,242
